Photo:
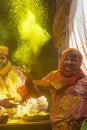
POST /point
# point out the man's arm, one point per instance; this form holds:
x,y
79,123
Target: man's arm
x,y
32,88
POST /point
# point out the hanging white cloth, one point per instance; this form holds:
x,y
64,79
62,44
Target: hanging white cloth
x,y
78,29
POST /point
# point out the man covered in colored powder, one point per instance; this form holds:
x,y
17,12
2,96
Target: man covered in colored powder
x,y
12,82
16,95
68,88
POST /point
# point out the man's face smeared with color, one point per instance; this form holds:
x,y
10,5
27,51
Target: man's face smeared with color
x,y
70,62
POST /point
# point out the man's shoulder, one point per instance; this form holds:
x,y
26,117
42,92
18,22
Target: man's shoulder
x,y
16,69
84,79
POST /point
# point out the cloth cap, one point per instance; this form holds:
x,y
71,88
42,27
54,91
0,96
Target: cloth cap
x,y
3,50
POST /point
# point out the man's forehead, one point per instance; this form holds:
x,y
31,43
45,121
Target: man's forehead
x,y
71,54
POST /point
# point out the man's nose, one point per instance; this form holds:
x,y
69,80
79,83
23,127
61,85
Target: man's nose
x,y
1,60
69,62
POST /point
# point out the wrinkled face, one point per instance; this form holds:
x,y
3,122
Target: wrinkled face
x,y
71,62
3,61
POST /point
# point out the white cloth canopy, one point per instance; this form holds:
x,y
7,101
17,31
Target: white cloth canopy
x,y
78,29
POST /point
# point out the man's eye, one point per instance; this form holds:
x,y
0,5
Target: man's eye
x,y
2,58
67,58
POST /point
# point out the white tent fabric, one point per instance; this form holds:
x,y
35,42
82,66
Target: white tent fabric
x,y
78,29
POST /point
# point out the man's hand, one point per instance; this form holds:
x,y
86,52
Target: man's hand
x,y
6,103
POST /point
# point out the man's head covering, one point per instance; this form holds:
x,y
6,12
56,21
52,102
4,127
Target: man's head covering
x,y
4,50
62,78
75,51
79,61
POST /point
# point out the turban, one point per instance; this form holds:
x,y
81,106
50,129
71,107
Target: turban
x,y
3,50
